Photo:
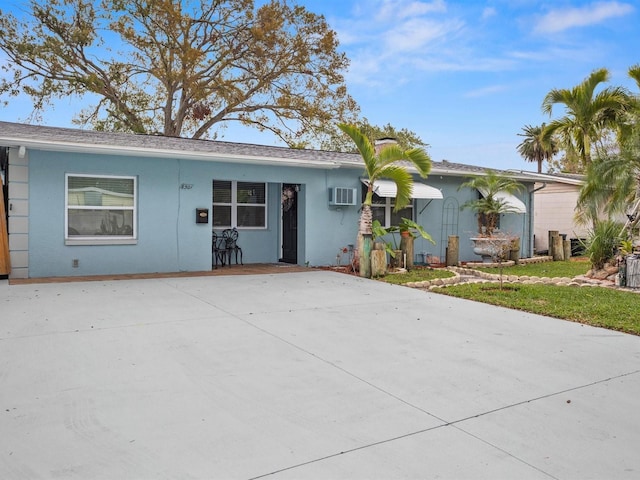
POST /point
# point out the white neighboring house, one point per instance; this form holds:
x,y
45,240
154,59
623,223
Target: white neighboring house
x,y
556,197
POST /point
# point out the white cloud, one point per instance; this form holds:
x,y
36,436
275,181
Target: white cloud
x,y
488,12
391,35
553,54
387,46
419,33
462,62
485,91
400,9
364,70
564,19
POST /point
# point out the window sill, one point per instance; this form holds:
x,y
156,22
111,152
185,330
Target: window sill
x,y
101,241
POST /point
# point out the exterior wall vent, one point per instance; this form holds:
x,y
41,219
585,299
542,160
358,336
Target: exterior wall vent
x,y
342,196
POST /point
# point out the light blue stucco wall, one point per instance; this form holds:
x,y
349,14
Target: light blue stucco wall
x,y
169,240
444,217
432,215
161,207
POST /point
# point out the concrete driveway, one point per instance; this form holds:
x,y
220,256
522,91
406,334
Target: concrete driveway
x,y
314,375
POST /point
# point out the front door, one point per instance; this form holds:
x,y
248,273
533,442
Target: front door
x,y
289,223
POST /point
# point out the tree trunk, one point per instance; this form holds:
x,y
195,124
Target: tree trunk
x,y
378,262
453,251
366,220
566,246
633,272
365,244
365,241
558,249
551,235
514,253
406,245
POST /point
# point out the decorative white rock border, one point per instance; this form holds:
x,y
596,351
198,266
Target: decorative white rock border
x,y
483,277
509,263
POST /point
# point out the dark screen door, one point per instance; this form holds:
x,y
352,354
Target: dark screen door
x,y
289,223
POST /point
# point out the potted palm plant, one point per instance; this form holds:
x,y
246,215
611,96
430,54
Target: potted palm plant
x,y
488,208
409,231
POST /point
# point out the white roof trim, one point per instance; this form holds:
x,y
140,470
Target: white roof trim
x,y
516,205
387,189
550,177
162,153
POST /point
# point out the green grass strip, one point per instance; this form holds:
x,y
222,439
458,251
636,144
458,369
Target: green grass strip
x,y
597,306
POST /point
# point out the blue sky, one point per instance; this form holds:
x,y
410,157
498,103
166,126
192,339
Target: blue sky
x,y
466,76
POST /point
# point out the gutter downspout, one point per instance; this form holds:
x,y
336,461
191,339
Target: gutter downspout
x,y
531,217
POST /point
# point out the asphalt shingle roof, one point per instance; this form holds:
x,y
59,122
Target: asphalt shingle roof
x,y
38,136
23,133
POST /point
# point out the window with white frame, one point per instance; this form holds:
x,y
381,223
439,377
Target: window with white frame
x,y
239,204
382,210
100,208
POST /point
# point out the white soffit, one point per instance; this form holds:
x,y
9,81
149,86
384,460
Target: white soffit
x,y
387,188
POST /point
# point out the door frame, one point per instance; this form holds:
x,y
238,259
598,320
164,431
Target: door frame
x,y
289,202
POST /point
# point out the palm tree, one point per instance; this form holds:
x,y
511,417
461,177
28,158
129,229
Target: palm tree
x,y
611,187
490,206
588,114
387,163
612,184
535,148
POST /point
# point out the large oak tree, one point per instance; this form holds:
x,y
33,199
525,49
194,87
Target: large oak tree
x,y
180,68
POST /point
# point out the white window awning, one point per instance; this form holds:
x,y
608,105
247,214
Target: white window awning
x,y
516,205
387,189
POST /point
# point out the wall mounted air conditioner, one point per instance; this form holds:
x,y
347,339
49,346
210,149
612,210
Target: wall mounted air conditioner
x,y
342,196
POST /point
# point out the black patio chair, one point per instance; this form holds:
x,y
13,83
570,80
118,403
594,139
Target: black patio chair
x,y
230,239
218,250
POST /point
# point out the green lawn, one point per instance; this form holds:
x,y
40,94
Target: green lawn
x,y
571,268
597,306
547,269
417,274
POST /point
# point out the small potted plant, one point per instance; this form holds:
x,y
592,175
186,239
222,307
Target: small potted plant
x,y
409,230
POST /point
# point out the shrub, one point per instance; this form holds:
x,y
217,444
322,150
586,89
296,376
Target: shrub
x,y
602,242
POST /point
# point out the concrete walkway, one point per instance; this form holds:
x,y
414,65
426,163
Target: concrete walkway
x,y
312,375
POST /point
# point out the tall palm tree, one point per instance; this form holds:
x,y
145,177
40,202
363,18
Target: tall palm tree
x,y
588,114
387,163
536,148
612,184
490,206
611,187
